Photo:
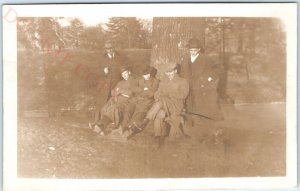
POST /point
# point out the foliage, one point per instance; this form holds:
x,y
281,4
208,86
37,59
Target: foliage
x,y
126,32
252,51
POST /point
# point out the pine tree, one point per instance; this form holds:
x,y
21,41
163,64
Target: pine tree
x,y
125,32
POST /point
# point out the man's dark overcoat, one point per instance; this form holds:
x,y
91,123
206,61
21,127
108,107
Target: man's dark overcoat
x,y
203,77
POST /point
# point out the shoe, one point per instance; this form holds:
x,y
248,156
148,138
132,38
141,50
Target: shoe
x,y
91,126
124,129
186,136
134,130
97,129
138,128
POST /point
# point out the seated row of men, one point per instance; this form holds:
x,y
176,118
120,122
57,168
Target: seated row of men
x,y
134,103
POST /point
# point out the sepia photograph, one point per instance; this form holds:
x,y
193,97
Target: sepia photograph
x,y
110,99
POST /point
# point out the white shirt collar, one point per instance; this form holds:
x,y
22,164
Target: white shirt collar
x,y
110,55
193,58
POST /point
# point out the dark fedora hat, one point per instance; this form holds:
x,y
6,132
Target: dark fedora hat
x,y
125,68
149,70
194,43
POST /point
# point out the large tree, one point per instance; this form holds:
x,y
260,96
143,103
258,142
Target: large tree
x,y
170,37
92,37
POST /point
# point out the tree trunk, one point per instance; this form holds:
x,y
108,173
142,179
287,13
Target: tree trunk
x,y
170,38
252,35
223,78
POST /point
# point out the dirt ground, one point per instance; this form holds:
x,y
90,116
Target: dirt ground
x,y
249,142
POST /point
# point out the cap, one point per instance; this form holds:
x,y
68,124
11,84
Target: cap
x,y
125,68
108,45
149,70
171,66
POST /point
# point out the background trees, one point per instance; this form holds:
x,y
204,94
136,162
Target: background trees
x,y
252,51
127,32
57,54
170,37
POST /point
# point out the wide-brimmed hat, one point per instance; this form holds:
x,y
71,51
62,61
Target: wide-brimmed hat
x,y
194,43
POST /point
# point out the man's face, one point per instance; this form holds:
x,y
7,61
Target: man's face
x,y
146,76
109,50
194,51
126,75
171,74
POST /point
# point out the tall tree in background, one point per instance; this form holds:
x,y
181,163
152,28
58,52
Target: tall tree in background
x,y
42,33
218,31
125,32
146,33
49,34
74,32
92,38
170,37
26,33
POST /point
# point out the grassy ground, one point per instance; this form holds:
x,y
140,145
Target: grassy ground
x,y
251,143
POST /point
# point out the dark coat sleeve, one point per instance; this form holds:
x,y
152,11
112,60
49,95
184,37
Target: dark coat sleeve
x,y
151,89
184,69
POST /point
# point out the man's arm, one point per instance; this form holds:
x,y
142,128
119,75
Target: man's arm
x,y
150,90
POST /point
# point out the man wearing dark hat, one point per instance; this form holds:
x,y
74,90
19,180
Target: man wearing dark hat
x,y
141,103
111,75
168,106
112,111
203,77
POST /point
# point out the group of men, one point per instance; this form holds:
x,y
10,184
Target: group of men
x,y
188,88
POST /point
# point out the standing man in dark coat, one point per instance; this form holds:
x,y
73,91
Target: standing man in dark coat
x,y
111,75
203,77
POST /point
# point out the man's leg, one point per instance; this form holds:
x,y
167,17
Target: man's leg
x,y
175,122
150,116
160,130
127,114
100,102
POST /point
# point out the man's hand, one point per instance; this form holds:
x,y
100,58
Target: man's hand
x,y
106,70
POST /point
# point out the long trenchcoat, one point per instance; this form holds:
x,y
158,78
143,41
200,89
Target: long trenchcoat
x,y
203,77
170,98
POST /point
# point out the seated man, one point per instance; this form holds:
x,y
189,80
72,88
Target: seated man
x,y
142,102
112,111
168,106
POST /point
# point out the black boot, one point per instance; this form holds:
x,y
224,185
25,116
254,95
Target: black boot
x,y
125,128
138,128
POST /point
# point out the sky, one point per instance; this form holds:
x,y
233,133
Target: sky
x,y
90,20
87,20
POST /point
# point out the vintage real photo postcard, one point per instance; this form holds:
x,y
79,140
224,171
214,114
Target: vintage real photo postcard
x,y
149,96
